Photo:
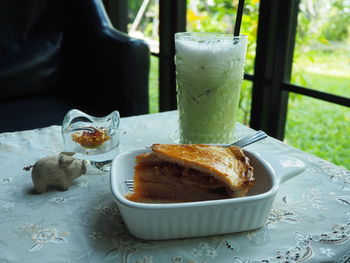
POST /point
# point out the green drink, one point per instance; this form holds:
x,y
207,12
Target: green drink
x,y
209,74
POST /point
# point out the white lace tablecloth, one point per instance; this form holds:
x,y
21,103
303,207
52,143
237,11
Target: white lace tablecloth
x,y
309,221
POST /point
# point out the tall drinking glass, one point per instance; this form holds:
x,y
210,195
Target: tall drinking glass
x,y
209,74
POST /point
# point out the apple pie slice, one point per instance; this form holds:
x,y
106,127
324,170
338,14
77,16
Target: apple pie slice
x,y
190,172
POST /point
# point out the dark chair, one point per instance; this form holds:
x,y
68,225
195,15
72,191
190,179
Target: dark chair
x,y
56,55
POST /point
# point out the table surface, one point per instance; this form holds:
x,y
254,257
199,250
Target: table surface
x,y
309,220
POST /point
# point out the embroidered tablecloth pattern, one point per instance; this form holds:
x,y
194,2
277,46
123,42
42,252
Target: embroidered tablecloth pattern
x,y
309,220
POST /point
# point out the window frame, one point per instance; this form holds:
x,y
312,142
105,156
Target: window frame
x,y
273,60
273,65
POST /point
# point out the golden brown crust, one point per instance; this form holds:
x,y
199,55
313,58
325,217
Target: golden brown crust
x,y
227,164
185,173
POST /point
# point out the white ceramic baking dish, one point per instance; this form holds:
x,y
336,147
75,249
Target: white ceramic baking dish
x,y
180,220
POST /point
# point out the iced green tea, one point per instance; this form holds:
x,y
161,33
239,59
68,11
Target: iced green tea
x,y
209,74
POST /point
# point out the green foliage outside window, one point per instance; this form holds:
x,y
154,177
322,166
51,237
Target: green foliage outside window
x,y
321,61
323,32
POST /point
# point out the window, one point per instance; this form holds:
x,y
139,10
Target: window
x,y
297,75
287,85
321,63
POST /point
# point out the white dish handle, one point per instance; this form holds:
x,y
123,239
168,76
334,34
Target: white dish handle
x,y
285,167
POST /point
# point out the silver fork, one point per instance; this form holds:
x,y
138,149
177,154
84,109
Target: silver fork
x,y
130,184
259,135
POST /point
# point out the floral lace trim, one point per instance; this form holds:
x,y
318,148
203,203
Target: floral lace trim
x,y
42,236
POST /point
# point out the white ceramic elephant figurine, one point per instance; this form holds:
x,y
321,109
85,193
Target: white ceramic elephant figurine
x,y
56,171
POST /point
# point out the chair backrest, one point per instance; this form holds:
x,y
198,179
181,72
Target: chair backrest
x,y
69,51
102,61
31,37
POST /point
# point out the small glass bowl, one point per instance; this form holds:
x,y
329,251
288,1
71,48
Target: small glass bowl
x,y
94,139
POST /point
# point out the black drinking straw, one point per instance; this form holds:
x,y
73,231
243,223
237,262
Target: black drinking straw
x,y
238,18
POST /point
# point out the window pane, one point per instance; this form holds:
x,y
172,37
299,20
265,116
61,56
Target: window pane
x,y
143,23
143,17
322,50
320,128
154,85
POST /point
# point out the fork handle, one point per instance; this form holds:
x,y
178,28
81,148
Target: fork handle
x,y
250,139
